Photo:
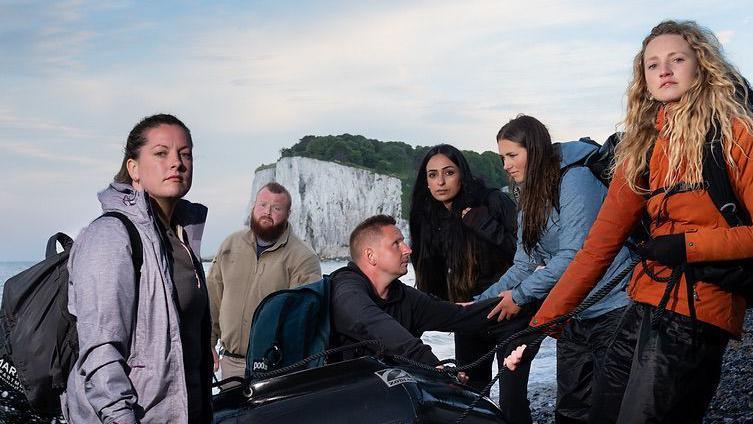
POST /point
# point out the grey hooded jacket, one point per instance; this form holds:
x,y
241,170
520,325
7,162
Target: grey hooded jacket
x,y
130,368
532,276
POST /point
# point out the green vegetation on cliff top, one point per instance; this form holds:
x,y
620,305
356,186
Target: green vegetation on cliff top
x,y
391,158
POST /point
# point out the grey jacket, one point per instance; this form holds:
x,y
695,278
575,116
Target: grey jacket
x,y
581,196
130,368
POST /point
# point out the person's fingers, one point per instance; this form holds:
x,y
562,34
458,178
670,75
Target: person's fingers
x,y
497,309
503,315
513,359
510,363
463,377
216,360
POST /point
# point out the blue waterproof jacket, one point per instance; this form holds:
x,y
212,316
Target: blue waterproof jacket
x,y
581,196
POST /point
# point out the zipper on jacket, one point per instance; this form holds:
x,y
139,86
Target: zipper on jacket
x,y
179,233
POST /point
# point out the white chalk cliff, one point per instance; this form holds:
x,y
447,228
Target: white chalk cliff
x,y
330,199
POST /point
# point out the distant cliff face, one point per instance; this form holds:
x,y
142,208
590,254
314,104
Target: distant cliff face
x,y
329,200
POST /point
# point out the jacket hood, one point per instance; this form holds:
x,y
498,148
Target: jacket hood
x,y
134,204
124,198
573,151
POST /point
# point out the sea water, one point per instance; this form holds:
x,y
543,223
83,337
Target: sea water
x,y
442,344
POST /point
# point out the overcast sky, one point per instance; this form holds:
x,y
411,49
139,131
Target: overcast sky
x,y
250,78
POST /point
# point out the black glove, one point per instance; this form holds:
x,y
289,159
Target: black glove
x,y
668,250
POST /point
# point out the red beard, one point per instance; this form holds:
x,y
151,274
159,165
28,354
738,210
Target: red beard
x,y
266,232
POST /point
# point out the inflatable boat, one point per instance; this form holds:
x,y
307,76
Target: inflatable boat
x,y
362,390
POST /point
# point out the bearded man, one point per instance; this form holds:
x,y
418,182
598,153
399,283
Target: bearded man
x,y
249,265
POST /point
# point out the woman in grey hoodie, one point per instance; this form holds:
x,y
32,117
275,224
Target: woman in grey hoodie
x,y
559,201
144,353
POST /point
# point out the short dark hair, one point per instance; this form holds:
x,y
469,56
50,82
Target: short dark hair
x,y
277,188
369,228
137,139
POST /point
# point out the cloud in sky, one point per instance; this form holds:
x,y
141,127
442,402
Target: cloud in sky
x,y
250,78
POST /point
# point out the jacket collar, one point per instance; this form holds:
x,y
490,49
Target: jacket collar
x,y
135,204
661,118
395,292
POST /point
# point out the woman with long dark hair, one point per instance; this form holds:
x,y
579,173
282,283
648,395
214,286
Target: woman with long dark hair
x,y
559,201
684,99
463,239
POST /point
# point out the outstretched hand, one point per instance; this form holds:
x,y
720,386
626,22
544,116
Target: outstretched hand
x,y
528,347
506,308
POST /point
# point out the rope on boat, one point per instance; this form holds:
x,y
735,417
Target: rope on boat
x,y
292,367
542,330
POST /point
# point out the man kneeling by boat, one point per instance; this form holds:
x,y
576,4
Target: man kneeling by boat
x,y
370,303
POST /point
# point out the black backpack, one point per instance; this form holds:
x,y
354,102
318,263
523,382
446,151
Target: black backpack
x,y
599,161
38,337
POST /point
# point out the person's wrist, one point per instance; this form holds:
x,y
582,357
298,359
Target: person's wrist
x,y
516,298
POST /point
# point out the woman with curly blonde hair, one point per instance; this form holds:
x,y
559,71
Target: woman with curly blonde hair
x,y
667,353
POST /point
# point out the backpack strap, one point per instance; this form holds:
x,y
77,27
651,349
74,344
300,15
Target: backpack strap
x,y
137,247
719,186
715,166
137,255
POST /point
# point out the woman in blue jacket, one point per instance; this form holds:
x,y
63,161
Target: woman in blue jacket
x,y
558,203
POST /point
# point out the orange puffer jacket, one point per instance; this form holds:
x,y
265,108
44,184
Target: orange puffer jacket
x,y
708,237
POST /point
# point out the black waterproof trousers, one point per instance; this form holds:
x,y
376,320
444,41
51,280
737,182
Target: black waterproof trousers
x,y
668,372
513,386
581,350
468,348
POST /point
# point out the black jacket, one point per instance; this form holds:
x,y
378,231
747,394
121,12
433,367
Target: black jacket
x,y
492,221
358,314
